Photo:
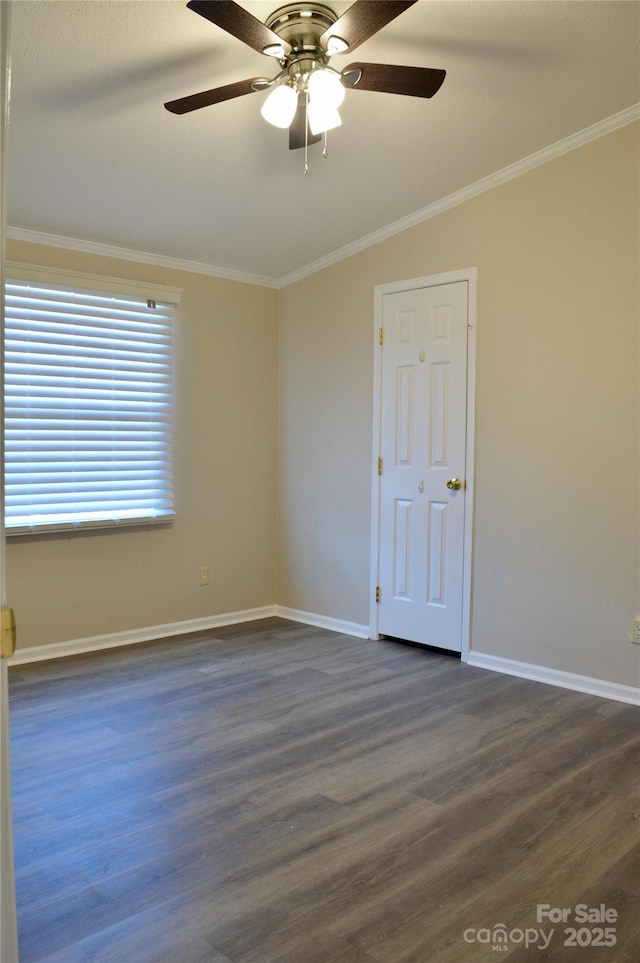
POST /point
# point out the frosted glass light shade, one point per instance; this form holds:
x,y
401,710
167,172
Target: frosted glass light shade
x,y
280,106
325,87
322,118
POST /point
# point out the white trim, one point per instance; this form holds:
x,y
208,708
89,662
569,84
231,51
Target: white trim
x,y
523,166
450,277
376,440
323,622
96,643
141,257
564,146
19,271
566,680
482,660
469,510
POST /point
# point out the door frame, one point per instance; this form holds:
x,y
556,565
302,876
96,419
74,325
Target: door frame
x,y
434,280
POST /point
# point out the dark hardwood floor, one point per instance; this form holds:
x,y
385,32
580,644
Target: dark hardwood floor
x,y
276,793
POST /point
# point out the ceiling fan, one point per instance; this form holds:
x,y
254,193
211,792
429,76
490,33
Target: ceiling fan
x,y
306,93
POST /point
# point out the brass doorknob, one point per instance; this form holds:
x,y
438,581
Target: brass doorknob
x,y
454,484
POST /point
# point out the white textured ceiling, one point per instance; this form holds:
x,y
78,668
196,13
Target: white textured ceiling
x,y
94,155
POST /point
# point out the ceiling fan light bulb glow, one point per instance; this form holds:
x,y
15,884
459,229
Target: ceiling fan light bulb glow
x,y
322,118
274,50
326,89
280,106
336,45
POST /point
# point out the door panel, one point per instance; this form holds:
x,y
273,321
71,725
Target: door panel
x,y
437,554
404,415
423,445
402,549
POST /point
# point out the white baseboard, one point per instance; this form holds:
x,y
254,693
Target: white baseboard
x,y
59,650
566,680
323,621
482,660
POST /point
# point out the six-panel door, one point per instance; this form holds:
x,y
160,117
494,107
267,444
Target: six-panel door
x,y
423,445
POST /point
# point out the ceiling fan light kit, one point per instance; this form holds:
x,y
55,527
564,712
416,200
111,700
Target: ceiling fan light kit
x,y
336,45
306,94
274,50
322,119
280,106
325,87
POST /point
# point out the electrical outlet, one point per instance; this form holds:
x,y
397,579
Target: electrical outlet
x,y
204,575
635,631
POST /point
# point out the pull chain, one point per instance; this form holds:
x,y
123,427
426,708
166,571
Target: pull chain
x,y
325,152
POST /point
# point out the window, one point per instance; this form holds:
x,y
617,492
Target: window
x,y
88,405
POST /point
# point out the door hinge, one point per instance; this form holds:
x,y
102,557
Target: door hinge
x,y
380,335
7,632
380,465
378,594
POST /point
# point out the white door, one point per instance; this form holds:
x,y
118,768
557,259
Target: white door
x,y
423,445
8,930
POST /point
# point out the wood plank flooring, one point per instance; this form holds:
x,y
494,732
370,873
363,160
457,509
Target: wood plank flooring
x,y
276,793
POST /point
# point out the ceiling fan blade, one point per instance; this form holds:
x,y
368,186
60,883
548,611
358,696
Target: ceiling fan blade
x,y
239,23
298,125
391,79
207,97
363,19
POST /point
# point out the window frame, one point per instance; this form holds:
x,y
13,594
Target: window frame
x,y
106,286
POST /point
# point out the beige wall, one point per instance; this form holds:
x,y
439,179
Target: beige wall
x,y
71,587
556,569
555,577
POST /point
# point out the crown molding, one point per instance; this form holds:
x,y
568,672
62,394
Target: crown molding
x,y
582,137
140,257
579,139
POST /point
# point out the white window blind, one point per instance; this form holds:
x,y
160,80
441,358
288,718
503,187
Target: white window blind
x,y
88,408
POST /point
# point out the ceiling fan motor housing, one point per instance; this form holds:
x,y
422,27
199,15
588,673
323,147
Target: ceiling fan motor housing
x,y
303,37
301,25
